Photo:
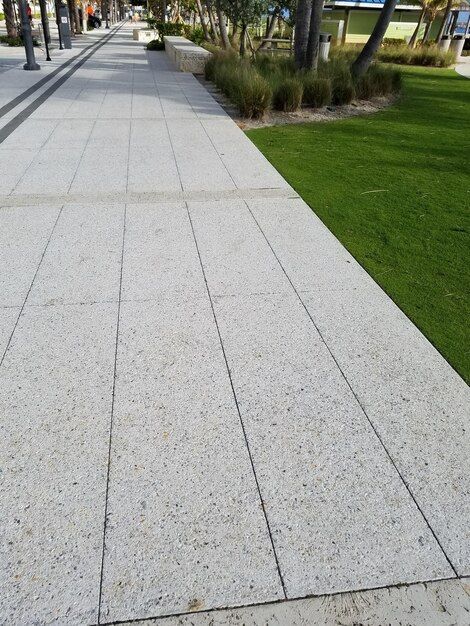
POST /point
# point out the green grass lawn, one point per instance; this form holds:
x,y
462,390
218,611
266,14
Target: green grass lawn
x,y
394,187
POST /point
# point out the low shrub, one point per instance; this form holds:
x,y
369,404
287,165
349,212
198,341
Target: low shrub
x,y
317,91
169,29
287,95
14,42
156,44
196,35
388,42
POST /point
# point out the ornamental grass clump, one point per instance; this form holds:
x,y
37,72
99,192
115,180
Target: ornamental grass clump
x,y
317,91
251,93
287,95
427,55
342,86
240,82
379,80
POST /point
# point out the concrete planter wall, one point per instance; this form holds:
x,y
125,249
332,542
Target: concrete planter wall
x,y
186,55
144,34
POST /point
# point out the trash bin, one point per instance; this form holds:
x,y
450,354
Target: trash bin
x,y
445,43
457,44
325,42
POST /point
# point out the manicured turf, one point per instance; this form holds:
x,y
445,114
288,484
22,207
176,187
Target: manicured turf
x,y
394,187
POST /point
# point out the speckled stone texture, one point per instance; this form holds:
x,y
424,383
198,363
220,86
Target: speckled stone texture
x,y
186,55
185,526
55,405
205,401
443,603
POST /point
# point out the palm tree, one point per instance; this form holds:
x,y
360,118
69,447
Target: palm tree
x,y
363,61
445,19
302,29
313,47
433,10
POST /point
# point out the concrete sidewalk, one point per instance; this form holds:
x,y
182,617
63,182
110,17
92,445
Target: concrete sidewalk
x,y
205,402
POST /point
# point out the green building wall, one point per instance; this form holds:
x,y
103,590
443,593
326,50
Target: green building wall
x,y
362,21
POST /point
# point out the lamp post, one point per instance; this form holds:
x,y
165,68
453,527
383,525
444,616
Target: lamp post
x,y
27,38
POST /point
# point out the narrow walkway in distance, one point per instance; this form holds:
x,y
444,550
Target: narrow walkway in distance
x,y
204,400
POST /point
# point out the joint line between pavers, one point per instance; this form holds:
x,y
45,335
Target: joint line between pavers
x,y
240,193
130,129
229,374
394,464
110,441
283,601
81,156
31,285
212,143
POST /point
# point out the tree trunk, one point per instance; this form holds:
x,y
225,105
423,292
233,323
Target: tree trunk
x,y
313,47
363,61
271,29
10,22
78,21
302,28
71,8
445,19
215,33
45,21
222,26
207,36
243,40
414,36
427,30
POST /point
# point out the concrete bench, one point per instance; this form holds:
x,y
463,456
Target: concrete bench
x,y
144,34
186,55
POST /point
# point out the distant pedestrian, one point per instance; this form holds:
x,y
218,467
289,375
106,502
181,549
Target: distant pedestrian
x,y
29,13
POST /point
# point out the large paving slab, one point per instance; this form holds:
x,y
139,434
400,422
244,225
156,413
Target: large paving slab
x,y
206,401
416,402
185,526
341,516
271,346
8,317
24,234
160,257
55,404
82,263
